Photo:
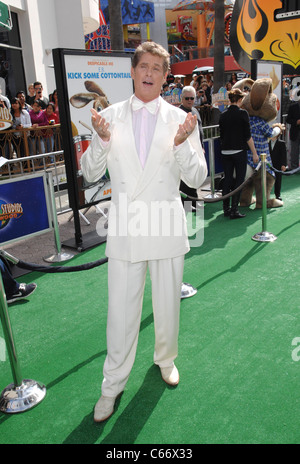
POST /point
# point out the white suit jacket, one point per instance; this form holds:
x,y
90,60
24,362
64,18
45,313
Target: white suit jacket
x,y
146,219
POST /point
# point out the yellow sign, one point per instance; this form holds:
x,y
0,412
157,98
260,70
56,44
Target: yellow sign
x,y
266,30
5,119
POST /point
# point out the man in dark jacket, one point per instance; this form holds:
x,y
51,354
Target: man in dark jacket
x,y
293,119
279,160
188,96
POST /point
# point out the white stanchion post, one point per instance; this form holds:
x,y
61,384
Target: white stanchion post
x,y
59,256
21,395
211,169
264,236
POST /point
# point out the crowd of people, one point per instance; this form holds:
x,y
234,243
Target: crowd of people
x,y
203,85
35,110
235,144
31,111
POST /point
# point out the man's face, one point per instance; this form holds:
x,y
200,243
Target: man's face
x,y
148,77
21,97
38,91
188,100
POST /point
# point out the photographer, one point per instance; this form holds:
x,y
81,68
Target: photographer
x,y
38,88
200,98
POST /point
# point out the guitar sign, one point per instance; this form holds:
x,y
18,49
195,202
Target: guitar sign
x,y
266,30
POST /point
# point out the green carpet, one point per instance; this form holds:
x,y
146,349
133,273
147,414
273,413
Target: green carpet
x,y
239,382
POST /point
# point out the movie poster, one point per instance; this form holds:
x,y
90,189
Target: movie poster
x,y
92,80
95,82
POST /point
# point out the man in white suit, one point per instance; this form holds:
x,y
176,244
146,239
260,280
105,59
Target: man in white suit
x,y
148,146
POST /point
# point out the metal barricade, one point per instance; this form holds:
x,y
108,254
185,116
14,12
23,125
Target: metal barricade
x,y
211,133
17,143
49,162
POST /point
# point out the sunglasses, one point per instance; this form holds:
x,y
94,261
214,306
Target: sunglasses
x,y
189,98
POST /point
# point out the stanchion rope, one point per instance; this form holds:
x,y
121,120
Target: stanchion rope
x,y
228,195
284,173
84,267
54,269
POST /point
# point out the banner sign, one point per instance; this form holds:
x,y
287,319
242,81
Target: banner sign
x,y
99,39
24,208
266,30
273,70
5,117
133,11
220,100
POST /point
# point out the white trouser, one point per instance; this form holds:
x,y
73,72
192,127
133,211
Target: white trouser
x,y
126,283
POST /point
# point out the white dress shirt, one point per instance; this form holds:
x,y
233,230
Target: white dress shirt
x,y
144,123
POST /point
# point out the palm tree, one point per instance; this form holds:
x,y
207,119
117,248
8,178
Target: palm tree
x,y
115,24
219,45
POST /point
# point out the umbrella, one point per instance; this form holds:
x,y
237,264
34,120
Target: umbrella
x,y
204,69
180,75
193,5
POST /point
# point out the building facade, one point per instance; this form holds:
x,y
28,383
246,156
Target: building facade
x,y
158,30
39,26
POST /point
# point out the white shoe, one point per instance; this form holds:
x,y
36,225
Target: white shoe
x,y
104,408
170,375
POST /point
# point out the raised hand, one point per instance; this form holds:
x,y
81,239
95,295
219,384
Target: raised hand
x,y
185,129
100,126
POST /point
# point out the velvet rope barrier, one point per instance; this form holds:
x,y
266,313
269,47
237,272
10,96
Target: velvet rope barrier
x,y
56,269
51,270
228,195
284,173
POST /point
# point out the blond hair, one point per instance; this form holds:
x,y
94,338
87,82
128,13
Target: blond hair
x,y
154,49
